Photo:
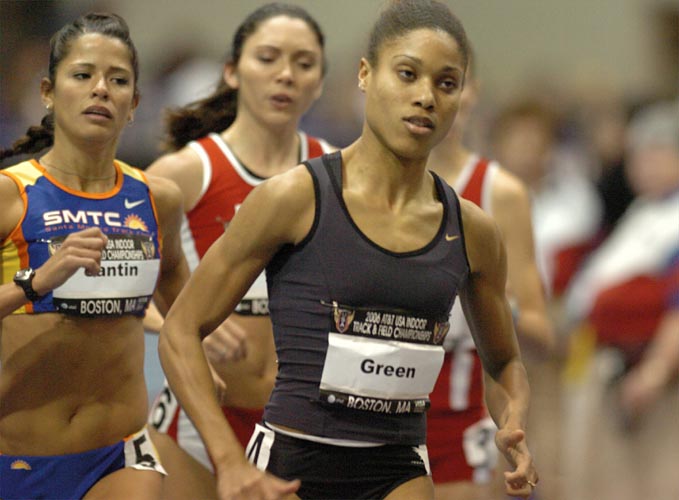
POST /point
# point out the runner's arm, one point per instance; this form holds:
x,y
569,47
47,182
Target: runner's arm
x,y
489,316
279,211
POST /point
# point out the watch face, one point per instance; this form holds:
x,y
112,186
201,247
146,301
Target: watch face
x,y
23,274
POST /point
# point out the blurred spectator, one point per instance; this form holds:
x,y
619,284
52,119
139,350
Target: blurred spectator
x,y
620,285
603,121
622,294
644,385
566,207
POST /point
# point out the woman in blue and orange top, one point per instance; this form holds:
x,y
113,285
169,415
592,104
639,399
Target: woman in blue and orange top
x,y
84,242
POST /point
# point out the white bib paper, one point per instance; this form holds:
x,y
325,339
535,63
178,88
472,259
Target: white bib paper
x,y
378,368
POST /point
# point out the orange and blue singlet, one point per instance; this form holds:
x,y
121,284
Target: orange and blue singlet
x,y
130,262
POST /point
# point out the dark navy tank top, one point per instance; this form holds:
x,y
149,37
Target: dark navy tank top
x,y
359,328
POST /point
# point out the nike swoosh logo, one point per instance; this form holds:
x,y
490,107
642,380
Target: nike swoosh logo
x,y
131,204
452,238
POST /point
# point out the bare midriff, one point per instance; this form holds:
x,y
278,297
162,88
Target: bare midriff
x,y
70,384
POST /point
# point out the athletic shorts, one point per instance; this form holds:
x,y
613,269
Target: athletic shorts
x,y
336,472
72,475
168,417
461,446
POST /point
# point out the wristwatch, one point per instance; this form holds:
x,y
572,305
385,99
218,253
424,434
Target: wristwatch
x,y
24,278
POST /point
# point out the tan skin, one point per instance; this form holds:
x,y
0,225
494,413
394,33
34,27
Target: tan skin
x,y
84,410
419,74
281,56
511,211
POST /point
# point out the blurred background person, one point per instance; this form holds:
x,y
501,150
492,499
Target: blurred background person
x,y
601,120
645,383
566,208
623,296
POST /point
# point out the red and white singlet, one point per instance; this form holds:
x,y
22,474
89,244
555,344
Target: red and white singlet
x,y
460,434
226,183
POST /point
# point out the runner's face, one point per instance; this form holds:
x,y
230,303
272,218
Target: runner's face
x,y
279,74
413,92
93,95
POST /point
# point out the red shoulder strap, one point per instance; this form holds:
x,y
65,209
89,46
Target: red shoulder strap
x,y
474,188
212,149
315,148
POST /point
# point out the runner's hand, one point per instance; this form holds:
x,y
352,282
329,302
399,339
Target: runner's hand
x,y
226,343
245,482
81,249
521,481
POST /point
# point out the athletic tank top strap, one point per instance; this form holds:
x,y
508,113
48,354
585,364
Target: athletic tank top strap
x,y
209,144
314,147
473,191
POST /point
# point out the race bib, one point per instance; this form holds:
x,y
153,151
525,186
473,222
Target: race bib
x,y
129,270
255,301
382,361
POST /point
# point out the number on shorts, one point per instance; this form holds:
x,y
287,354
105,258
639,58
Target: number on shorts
x,y
142,458
254,447
258,450
163,409
479,444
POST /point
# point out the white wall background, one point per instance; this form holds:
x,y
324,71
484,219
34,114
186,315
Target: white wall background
x,y
516,40
576,49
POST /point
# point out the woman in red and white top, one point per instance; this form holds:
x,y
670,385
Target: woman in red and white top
x,y
220,149
462,452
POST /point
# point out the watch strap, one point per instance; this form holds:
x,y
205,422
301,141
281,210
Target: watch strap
x,y
26,285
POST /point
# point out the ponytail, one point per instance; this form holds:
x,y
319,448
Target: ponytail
x,y
37,138
211,114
